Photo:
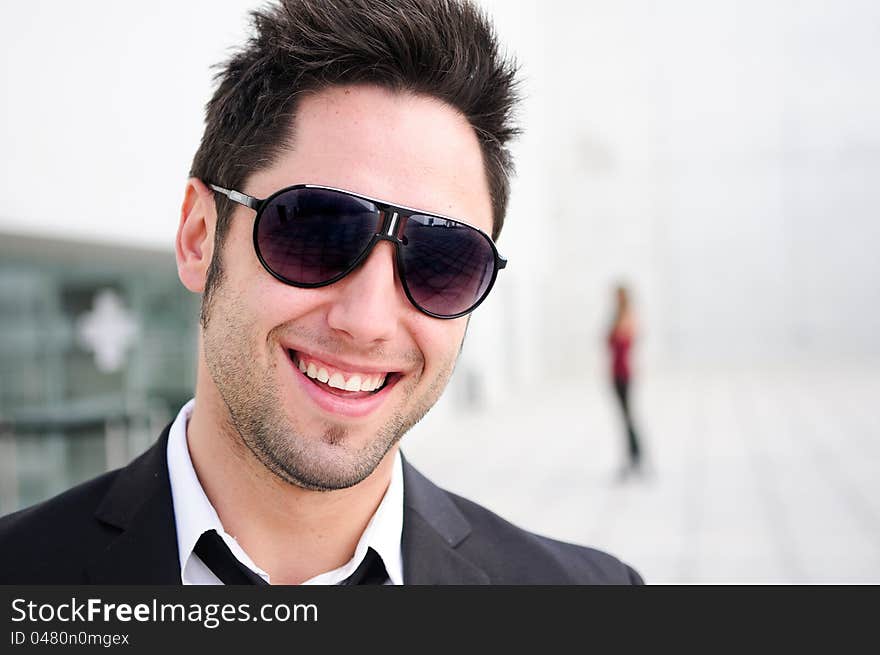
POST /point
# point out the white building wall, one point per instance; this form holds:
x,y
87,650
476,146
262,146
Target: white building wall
x,y
725,158
102,112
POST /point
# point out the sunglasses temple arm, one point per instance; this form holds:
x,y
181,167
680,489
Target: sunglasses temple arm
x,y
502,262
237,196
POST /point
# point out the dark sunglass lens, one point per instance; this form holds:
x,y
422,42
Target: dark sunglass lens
x,y
310,236
448,266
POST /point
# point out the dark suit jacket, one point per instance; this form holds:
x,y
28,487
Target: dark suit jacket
x,y
119,529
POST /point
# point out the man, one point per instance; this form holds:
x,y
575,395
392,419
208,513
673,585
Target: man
x,y
337,223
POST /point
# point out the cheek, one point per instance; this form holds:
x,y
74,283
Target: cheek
x,y
274,302
440,341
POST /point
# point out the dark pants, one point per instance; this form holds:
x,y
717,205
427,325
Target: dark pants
x,y
621,386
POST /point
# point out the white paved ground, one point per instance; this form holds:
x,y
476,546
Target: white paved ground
x,y
758,477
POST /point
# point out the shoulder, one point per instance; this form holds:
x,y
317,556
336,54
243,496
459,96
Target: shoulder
x,y
50,541
502,552
512,555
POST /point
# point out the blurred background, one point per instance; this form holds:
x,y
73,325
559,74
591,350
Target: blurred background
x,y
721,159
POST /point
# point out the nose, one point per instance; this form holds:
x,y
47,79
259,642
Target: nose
x,y
368,303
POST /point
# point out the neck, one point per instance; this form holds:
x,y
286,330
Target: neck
x,y
270,517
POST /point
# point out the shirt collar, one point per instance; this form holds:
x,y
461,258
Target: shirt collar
x,y
194,514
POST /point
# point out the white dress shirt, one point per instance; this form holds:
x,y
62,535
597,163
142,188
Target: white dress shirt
x,y
194,515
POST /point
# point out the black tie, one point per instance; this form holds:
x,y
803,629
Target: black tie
x,y
214,552
371,570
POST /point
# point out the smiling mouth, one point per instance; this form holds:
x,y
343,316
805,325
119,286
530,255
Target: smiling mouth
x,y
345,384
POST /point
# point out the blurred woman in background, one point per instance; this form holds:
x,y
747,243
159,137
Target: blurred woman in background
x,y
620,341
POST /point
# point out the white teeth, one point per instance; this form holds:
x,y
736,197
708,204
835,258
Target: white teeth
x,y
338,381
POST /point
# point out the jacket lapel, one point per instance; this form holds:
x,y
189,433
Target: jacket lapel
x,y
433,527
139,504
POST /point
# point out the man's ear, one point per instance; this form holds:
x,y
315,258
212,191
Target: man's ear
x,y
195,235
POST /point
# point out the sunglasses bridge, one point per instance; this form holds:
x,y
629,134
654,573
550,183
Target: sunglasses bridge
x,y
389,226
391,221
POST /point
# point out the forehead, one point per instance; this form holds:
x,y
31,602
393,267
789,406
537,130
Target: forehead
x,y
408,149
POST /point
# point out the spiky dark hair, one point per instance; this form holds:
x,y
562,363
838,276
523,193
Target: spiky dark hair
x,y
446,49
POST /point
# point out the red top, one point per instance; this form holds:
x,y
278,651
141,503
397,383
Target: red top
x,y
620,341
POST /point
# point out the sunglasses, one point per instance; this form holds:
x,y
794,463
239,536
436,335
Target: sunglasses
x,y
311,236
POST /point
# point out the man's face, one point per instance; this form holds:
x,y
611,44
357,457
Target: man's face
x,y
409,150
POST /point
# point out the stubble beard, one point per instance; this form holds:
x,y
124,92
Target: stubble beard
x,y
319,462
